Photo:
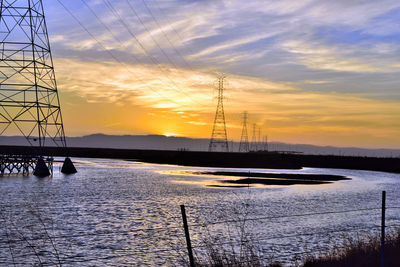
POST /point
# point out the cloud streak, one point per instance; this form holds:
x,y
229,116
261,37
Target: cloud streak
x,y
287,111
305,69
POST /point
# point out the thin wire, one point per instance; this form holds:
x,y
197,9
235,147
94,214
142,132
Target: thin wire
x,y
203,225
126,232
163,32
297,235
66,261
122,22
223,243
148,32
122,43
106,50
82,208
285,216
170,25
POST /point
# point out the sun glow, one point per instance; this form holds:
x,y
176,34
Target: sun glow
x,y
289,114
171,134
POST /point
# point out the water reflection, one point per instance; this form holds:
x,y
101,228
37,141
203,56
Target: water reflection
x,y
127,213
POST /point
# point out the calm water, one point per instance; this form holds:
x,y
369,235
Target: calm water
x,y
119,213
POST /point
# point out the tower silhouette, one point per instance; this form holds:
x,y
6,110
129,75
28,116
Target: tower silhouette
x,y
244,139
219,137
29,99
266,146
254,145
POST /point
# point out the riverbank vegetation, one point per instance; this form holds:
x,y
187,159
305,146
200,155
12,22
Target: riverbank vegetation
x,y
352,252
360,252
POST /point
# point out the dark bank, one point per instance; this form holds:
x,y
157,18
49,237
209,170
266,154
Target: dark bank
x,y
266,160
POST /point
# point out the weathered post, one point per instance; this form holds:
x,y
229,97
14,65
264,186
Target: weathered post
x,y
383,229
188,243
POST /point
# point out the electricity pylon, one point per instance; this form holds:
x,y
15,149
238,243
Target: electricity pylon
x,y
244,139
254,142
266,145
29,101
219,137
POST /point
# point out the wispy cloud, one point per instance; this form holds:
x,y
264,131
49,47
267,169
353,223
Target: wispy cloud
x,y
293,63
231,44
287,111
328,58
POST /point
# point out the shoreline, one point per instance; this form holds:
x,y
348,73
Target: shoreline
x,y
241,179
264,160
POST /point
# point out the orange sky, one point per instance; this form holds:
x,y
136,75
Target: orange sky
x,y
119,103
307,71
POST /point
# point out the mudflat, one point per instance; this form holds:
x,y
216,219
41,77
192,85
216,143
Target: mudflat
x,y
274,178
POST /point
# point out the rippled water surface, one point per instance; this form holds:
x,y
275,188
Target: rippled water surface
x,y
120,213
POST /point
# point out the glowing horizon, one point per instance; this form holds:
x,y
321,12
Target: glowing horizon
x,y
310,72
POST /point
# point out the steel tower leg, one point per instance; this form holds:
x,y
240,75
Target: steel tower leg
x,y
29,100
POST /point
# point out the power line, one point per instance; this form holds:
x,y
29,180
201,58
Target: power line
x,y
149,33
171,26
254,144
104,48
110,6
163,32
244,139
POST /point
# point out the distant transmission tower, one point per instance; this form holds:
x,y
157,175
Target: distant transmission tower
x,y
254,145
266,146
219,138
29,100
244,139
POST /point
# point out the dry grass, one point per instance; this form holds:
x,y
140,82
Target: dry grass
x,y
353,252
360,252
244,254
233,243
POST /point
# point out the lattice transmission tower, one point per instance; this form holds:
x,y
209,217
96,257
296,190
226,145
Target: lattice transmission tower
x,y
266,144
219,139
29,101
244,139
254,142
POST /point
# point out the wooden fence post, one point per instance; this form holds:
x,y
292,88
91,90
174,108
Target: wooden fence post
x,y
383,229
187,235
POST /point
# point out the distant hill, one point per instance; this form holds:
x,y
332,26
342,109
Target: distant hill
x,y
161,142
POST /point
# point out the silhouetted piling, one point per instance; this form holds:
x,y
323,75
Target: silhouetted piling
x,y
68,167
41,170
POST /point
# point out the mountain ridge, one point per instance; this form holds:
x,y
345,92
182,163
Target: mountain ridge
x,y
161,142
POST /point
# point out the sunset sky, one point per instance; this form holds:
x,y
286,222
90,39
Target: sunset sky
x,y
313,71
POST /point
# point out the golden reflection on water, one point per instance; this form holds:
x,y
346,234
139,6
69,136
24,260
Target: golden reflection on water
x,y
111,164
301,188
219,181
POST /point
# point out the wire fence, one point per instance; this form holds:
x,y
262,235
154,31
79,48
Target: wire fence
x,y
13,241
